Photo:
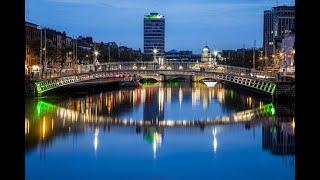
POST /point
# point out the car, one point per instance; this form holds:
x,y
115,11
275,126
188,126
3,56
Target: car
x,y
169,68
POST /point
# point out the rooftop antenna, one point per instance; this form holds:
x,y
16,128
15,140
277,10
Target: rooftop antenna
x,y
276,2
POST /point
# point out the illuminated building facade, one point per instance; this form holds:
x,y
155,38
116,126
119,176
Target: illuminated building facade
x,y
154,34
288,50
277,21
206,55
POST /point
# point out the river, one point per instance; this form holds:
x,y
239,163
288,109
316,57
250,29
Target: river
x,y
159,131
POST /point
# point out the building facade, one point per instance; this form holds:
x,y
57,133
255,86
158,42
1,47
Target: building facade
x,y
175,55
32,35
154,34
206,55
277,21
288,50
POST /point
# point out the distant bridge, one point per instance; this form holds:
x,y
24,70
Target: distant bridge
x,y
245,77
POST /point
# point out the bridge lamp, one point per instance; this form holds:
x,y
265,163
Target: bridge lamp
x,y
96,53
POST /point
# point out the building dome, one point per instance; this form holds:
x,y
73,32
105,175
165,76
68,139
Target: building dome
x,y
206,55
206,49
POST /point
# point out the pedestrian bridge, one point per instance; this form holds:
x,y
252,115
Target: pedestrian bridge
x,y
131,71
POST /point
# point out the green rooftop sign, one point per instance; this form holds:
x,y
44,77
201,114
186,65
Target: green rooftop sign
x,y
153,16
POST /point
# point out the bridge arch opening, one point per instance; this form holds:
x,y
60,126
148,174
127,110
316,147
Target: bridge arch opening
x,y
177,79
148,80
207,79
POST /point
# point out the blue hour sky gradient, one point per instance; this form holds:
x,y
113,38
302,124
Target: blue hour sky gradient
x,y
224,24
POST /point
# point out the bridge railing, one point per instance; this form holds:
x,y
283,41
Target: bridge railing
x,y
174,66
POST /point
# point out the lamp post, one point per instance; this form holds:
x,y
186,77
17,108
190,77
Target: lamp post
x,y
96,53
215,53
155,54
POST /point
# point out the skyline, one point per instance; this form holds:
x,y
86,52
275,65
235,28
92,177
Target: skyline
x,y
226,24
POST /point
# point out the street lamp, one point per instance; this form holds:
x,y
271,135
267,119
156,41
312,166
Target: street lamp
x,y
215,53
96,53
155,54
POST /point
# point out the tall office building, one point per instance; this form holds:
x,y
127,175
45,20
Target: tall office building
x,y
277,22
154,34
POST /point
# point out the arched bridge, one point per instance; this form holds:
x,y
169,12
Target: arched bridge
x,y
254,79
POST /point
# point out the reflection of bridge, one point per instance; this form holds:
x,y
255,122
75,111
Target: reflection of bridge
x,y
245,77
94,119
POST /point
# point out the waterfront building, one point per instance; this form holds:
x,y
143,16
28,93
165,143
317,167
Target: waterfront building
x,y
55,39
154,35
206,55
186,56
277,21
288,50
32,35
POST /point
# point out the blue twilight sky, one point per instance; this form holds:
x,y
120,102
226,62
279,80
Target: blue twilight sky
x,y
224,24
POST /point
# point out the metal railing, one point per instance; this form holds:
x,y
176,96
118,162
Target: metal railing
x,y
154,66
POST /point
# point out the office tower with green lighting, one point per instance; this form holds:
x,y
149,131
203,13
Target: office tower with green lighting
x,y
154,34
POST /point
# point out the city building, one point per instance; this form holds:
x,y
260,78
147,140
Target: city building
x,y
174,55
288,50
32,32
277,21
241,57
154,35
69,41
206,55
32,35
85,42
55,38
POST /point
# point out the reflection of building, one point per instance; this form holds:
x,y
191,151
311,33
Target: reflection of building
x,y
279,139
154,34
154,105
154,135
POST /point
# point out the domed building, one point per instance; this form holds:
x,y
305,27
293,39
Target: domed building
x,y
206,54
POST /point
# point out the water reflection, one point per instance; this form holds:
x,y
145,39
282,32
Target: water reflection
x,y
150,114
215,142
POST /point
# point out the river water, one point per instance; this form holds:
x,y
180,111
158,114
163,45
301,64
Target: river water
x,y
153,132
